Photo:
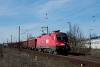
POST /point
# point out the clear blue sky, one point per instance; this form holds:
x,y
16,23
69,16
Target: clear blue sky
x,y
31,14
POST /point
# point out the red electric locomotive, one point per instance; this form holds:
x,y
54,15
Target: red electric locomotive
x,y
54,42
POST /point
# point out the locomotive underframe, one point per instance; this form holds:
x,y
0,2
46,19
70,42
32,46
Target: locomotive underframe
x,y
53,49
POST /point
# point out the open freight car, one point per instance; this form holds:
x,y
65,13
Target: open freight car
x,y
24,44
32,43
53,43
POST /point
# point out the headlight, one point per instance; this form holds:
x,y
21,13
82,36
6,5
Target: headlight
x,y
56,44
62,44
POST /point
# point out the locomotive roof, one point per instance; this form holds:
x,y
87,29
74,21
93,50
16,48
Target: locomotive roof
x,y
57,33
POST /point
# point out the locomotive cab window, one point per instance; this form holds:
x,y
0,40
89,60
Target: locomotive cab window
x,y
61,37
52,37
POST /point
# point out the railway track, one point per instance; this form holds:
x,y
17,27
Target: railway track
x,y
82,61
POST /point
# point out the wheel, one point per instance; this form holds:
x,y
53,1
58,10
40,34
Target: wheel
x,y
39,50
54,53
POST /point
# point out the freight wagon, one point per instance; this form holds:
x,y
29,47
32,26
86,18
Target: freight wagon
x,y
32,43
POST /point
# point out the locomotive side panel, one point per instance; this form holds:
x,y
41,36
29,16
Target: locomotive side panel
x,y
45,41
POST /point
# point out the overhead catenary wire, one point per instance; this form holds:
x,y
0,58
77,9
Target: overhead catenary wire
x,y
77,12
74,13
42,24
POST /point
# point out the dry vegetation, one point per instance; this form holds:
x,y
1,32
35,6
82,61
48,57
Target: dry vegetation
x,y
15,58
1,51
81,50
95,52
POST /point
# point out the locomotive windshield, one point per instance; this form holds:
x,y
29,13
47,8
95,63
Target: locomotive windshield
x,y
62,37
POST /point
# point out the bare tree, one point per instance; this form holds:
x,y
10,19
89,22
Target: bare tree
x,y
76,37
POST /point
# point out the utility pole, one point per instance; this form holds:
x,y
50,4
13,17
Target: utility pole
x,y
69,32
27,41
93,20
90,37
69,26
7,41
11,38
47,29
19,38
44,28
19,34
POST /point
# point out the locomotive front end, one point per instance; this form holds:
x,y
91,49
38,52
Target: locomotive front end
x,y
62,43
